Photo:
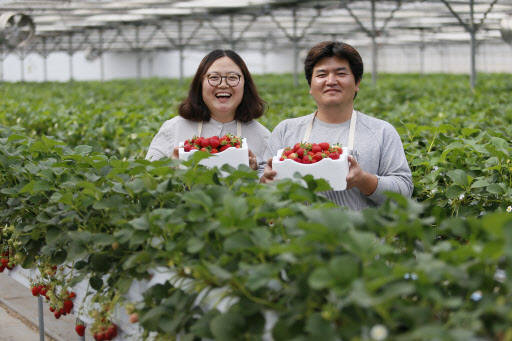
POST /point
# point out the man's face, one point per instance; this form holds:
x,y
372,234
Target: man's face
x,y
332,83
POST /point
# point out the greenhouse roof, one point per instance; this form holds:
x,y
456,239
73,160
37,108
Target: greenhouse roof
x,y
120,25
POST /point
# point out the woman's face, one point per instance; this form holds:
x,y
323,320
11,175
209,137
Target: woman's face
x,y
223,99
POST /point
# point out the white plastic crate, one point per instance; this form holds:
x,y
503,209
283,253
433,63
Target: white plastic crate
x,y
333,171
231,156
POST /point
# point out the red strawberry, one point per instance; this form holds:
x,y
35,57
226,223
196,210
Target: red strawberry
x,y
80,329
334,156
43,291
99,336
5,262
52,309
318,156
224,147
187,147
2,268
214,142
298,159
214,151
72,295
205,143
300,152
112,330
57,314
324,145
287,152
296,147
316,148
36,290
68,305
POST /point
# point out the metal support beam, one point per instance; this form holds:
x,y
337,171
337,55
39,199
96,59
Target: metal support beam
x,y
472,32
70,53
374,45
41,317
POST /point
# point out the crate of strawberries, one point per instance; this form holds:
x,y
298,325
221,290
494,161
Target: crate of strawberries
x,y
227,149
321,160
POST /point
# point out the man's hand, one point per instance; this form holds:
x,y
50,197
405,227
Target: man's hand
x,y
253,162
358,178
268,173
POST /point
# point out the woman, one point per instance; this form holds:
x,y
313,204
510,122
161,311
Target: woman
x,y
222,99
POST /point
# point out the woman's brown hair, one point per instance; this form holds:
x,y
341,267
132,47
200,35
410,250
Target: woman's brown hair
x,y
193,107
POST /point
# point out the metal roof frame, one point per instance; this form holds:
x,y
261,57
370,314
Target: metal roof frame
x,y
145,25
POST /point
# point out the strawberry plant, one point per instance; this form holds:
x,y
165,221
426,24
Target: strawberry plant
x,y
226,258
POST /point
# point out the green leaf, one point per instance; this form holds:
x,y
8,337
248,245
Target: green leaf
x,y
319,328
194,245
96,283
320,278
459,177
454,191
495,189
228,327
83,150
36,186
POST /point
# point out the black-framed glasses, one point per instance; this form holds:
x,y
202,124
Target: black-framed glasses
x,y
232,79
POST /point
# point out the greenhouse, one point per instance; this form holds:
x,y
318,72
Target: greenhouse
x,y
344,202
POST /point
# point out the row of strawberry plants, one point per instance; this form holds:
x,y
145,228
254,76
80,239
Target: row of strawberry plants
x,y
278,250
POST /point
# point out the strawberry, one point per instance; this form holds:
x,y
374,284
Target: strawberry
x,y
2,268
80,329
300,152
315,148
334,156
287,152
214,151
134,318
112,330
214,142
324,145
296,147
205,143
224,147
5,262
36,290
57,314
298,159
100,336
68,305
187,147
52,309
72,295
318,156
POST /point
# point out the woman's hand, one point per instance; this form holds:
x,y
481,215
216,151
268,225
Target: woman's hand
x,y
253,162
176,153
268,173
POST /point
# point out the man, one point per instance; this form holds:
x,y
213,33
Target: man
x,y
334,71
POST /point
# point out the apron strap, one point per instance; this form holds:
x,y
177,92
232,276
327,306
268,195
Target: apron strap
x,y
238,128
351,133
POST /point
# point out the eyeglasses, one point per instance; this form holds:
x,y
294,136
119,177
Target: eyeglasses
x,y
232,79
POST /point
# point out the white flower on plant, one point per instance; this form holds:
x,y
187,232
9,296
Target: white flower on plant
x,y
509,209
461,196
440,114
500,275
134,136
379,332
476,296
